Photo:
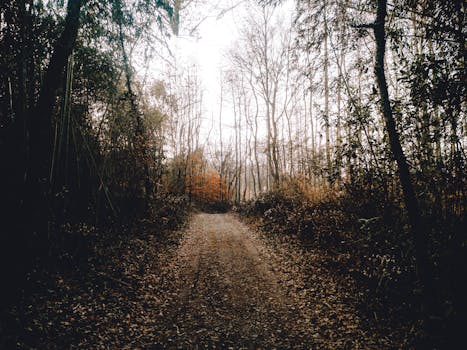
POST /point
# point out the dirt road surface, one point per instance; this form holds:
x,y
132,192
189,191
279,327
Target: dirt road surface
x,y
234,290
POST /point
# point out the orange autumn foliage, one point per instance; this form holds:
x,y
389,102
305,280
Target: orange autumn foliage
x,y
207,187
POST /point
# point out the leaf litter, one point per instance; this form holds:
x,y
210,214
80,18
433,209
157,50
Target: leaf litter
x,y
215,284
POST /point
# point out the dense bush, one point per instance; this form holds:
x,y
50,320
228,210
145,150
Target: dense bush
x,y
169,211
71,244
356,221
292,210
214,207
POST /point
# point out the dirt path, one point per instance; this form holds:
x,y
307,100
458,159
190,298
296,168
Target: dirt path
x,y
235,291
229,295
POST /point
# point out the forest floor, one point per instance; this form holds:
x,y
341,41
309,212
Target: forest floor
x,y
215,284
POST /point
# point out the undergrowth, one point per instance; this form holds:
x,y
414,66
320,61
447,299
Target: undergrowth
x,y
365,230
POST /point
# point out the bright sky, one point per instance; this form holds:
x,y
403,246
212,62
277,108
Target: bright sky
x,y
217,28
215,35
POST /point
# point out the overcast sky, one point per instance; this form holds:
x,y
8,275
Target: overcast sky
x,y
217,30
215,36
218,24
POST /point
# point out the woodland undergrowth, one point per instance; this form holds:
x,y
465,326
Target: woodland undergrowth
x,y
363,233
88,269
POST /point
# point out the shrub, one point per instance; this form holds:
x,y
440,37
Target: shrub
x,y
360,227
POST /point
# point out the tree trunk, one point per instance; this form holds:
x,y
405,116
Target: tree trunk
x,y
312,135
410,200
15,242
340,82
175,19
140,142
275,150
40,130
255,135
221,165
326,95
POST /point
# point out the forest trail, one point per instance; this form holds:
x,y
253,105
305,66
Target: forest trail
x,y
228,291
234,290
